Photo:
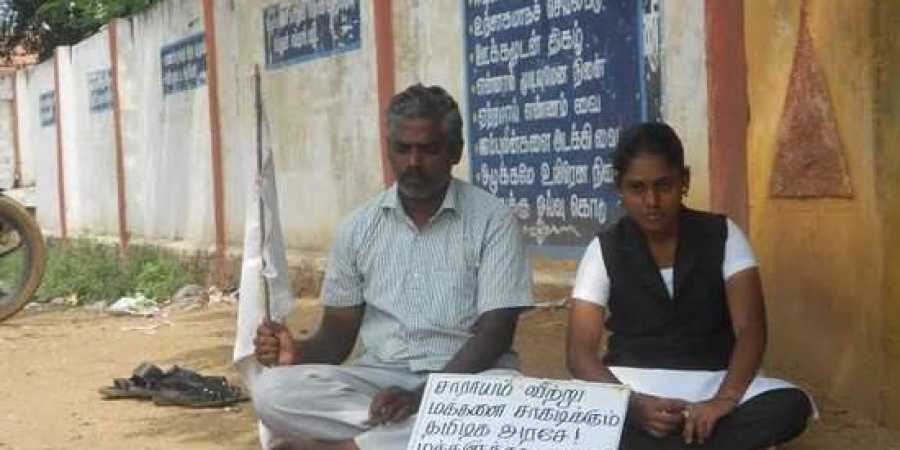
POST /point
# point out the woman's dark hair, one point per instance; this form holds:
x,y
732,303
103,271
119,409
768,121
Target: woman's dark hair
x,y
655,138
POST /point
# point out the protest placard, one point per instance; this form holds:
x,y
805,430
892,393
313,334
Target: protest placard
x,y
481,412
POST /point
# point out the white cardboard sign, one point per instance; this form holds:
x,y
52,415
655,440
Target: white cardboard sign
x,y
480,412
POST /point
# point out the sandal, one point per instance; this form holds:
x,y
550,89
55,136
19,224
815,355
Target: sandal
x,y
200,397
143,383
184,387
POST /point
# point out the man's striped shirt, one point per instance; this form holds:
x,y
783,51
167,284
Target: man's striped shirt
x,y
424,289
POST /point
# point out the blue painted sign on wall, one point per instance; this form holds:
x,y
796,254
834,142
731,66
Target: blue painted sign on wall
x,y
301,30
99,90
552,84
47,108
184,64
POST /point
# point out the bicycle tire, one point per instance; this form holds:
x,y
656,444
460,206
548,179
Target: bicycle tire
x,y
35,258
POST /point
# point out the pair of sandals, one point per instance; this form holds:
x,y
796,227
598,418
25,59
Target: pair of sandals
x,y
176,386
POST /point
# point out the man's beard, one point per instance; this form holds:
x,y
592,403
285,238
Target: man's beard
x,y
416,186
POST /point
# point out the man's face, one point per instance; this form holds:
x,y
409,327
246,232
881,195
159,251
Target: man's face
x,y
651,192
421,158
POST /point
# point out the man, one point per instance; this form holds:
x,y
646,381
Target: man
x,y
432,275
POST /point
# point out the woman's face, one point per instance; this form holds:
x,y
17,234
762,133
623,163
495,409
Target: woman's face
x,y
651,191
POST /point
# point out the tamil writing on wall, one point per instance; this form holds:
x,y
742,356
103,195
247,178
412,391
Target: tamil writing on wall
x,y
480,412
99,90
184,64
47,108
552,84
301,30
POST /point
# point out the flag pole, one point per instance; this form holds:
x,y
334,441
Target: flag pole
x,y
259,183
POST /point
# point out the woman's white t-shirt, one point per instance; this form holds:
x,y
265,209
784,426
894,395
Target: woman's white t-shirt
x,y
592,285
592,279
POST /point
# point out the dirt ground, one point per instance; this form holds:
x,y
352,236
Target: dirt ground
x,y
54,361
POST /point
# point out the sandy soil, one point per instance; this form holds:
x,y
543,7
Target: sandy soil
x,y
54,361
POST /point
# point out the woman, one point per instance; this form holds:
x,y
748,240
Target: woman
x,y
680,293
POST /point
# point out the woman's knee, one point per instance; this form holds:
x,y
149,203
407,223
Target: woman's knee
x,y
791,410
797,406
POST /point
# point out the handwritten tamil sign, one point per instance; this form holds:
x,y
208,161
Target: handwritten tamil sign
x,y
552,84
47,108
301,30
184,64
99,90
474,412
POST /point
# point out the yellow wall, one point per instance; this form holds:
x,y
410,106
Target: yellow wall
x,y
823,260
887,110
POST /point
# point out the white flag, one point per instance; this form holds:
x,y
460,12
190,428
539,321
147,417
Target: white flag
x,y
269,255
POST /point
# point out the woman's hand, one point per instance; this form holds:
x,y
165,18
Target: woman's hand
x,y
700,418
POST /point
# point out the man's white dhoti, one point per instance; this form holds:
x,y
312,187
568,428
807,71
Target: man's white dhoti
x,y
330,403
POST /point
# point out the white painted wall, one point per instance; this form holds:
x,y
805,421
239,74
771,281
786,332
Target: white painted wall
x,y
684,89
7,142
429,48
324,122
323,116
38,144
235,89
89,142
166,144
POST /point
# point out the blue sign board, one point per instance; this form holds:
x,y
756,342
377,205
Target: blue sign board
x,y
301,30
184,64
99,90
47,108
552,84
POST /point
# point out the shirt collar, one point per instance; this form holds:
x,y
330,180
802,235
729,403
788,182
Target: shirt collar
x,y
391,199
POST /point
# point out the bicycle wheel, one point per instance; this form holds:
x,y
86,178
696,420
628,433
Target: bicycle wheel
x,y
23,256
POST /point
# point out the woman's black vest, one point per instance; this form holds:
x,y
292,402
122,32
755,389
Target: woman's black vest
x,y
651,330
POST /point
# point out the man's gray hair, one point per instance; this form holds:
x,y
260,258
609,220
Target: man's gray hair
x,y
432,102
